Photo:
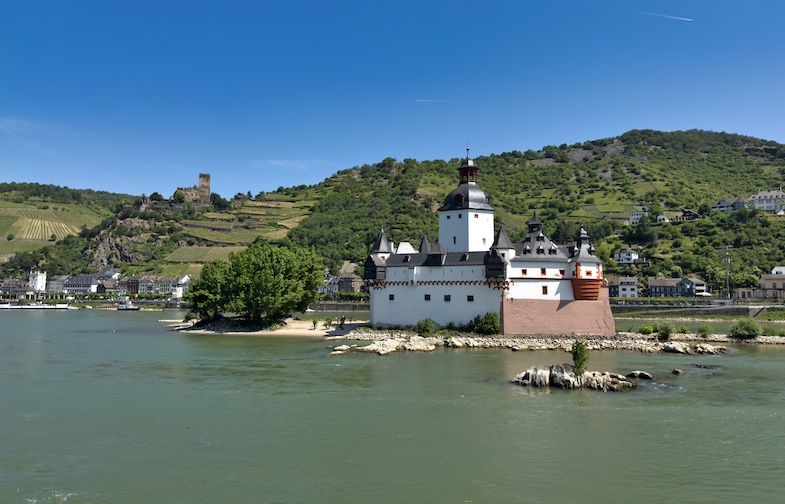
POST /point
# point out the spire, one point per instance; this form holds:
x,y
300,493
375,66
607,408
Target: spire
x,y
382,244
502,241
438,249
535,224
467,170
425,246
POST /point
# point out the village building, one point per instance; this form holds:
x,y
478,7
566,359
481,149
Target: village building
x,y
730,205
772,286
622,287
769,201
677,287
534,285
37,281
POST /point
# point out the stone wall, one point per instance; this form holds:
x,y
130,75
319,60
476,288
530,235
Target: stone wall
x,y
553,318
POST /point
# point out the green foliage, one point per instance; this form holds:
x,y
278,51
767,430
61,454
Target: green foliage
x,y
683,329
207,295
705,330
580,356
10,236
647,329
262,282
745,328
487,324
269,282
178,197
425,327
664,331
328,322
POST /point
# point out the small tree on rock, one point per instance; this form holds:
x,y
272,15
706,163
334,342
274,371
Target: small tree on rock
x,y
580,356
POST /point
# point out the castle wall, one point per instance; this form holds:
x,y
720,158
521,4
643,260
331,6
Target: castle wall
x,y
557,318
461,231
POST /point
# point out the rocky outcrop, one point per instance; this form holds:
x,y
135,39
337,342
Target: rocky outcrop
x,y
564,376
412,344
641,375
686,348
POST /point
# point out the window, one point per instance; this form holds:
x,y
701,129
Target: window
x,y
460,216
427,297
392,297
447,298
470,299
544,290
561,272
588,273
523,272
476,216
542,271
448,216
453,240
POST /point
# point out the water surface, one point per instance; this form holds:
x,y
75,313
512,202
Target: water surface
x,y
113,407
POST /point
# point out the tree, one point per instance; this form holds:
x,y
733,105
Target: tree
x,y
580,356
745,328
207,294
270,282
425,327
156,196
178,197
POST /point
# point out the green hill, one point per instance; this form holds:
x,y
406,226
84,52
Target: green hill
x,y
595,184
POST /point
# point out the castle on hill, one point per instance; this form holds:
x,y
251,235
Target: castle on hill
x,y
535,286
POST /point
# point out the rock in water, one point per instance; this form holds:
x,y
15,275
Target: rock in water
x,y
643,375
563,376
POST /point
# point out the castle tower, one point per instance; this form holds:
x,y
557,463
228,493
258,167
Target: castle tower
x,y
204,187
466,217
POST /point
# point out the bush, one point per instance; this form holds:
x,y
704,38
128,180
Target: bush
x,y
745,328
425,327
647,329
664,331
683,329
488,324
705,330
580,356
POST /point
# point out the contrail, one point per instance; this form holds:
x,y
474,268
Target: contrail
x,y
431,101
666,16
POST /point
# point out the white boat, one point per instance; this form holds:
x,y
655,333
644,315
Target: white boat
x,y
126,304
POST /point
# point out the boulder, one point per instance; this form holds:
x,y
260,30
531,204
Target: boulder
x,y
703,348
642,375
563,376
677,372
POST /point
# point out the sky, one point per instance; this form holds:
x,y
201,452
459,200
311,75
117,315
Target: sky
x,y
140,97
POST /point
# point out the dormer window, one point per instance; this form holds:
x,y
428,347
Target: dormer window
x,y
552,251
540,250
527,239
459,199
527,250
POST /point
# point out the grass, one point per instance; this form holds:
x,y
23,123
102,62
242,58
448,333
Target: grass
x,y
201,254
14,246
182,269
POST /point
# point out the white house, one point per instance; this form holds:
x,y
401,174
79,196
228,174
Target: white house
x,y
638,215
535,285
37,281
769,201
626,256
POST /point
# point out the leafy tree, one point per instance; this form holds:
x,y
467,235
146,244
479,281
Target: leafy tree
x,y
745,328
425,327
664,331
207,294
580,356
487,324
705,330
10,236
156,197
178,197
268,282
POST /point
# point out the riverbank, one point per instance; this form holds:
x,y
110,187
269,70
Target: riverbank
x,y
289,327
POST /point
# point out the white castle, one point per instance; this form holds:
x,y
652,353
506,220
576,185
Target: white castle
x,y
535,286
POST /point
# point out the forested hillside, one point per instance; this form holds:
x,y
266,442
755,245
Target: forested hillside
x,y
595,184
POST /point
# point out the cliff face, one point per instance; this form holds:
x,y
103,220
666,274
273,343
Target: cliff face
x,y
131,240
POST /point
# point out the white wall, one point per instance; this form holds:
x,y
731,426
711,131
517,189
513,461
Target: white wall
x,y
461,231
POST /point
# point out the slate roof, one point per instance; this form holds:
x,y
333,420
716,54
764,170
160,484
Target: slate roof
x,y
450,259
502,240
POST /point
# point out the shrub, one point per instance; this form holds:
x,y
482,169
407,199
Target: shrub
x,y
488,324
664,331
683,329
647,329
781,333
328,322
705,330
745,328
425,327
580,356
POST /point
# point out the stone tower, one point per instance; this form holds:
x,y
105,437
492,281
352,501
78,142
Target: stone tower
x,y
204,187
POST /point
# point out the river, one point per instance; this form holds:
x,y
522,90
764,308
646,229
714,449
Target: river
x,y
112,407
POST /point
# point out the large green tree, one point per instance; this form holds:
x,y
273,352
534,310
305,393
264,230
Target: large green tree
x,y
269,282
207,294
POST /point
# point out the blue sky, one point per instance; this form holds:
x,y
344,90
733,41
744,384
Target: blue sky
x,y
141,96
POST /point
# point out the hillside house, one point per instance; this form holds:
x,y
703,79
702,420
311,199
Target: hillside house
x,y
638,215
623,287
627,256
729,205
769,201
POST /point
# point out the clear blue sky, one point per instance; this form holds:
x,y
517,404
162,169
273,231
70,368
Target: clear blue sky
x,y
141,96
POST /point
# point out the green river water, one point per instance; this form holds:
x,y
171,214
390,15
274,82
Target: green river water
x,y
112,407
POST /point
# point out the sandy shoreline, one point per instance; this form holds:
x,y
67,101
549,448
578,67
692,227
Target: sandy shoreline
x,y
291,327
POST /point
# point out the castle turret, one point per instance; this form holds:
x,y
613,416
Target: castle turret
x,y
466,217
587,268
